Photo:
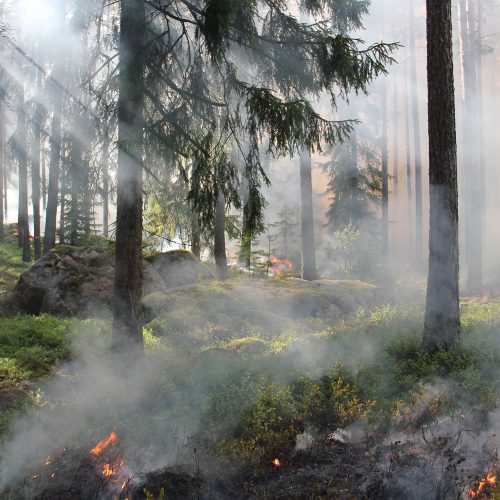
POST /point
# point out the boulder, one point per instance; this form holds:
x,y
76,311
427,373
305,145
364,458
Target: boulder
x,y
79,280
179,267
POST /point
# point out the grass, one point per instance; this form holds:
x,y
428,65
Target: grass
x,y
11,264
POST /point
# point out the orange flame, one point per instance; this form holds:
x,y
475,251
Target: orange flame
x,y
103,444
277,463
281,266
489,481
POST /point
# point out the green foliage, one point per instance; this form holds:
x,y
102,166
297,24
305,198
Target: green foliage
x,y
11,262
35,343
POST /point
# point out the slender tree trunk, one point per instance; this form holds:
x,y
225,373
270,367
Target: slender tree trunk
x,y
395,144
442,315
418,150
35,170
105,187
22,157
385,176
480,111
307,218
5,186
127,307
219,237
195,234
473,213
3,166
44,181
246,238
409,187
75,188
64,182
49,240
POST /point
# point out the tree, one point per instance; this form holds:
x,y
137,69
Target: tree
x,y
127,295
473,212
416,139
442,314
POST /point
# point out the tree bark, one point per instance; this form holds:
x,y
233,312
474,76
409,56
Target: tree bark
x,y
385,176
409,187
473,212
219,237
245,254
307,218
3,166
395,143
442,316
417,145
195,234
35,170
127,308
49,240
105,186
22,158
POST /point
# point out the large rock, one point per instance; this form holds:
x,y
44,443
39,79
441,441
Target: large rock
x,y
78,280
179,267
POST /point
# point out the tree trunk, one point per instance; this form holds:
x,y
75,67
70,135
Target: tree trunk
x,y
3,166
219,237
105,186
127,307
22,158
409,187
473,213
244,258
307,218
442,316
385,176
395,144
35,170
62,215
195,234
418,151
49,240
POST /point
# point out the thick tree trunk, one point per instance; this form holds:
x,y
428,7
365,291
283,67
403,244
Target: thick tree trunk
x,y
442,316
385,176
418,150
49,240
473,213
22,158
219,237
307,218
127,307
353,218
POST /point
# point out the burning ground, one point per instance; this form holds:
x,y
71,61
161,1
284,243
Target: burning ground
x,y
245,394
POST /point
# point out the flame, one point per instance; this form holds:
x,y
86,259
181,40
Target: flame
x,y
277,463
281,266
103,444
489,481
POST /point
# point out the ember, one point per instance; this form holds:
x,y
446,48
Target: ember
x,y
484,486
277,463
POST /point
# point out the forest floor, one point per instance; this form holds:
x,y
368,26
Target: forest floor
x,y
254,389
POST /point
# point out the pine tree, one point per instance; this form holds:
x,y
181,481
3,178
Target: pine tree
x,y
442,314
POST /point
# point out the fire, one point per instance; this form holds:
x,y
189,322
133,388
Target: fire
x,y
483,486
103,444
277,463
281,266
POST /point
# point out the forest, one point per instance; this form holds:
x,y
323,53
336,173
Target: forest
x,y
248,249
